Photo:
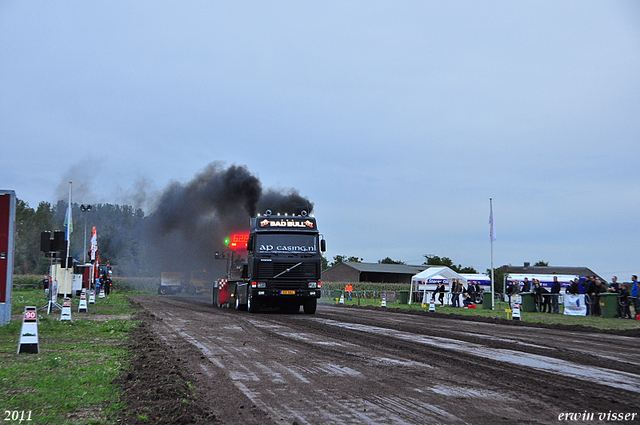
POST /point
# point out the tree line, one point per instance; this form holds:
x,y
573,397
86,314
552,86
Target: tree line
x,y
120,235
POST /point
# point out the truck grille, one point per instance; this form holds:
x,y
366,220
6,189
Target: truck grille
x,y
305,271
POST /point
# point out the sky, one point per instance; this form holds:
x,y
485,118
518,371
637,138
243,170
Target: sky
x,y
398,120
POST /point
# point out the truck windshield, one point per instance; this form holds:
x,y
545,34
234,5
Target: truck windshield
x,y
286,244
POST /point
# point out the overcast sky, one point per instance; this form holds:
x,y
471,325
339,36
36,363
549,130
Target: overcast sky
x,y
398,119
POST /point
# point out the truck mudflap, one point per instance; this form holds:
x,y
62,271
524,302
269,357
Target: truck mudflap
x,y
224,293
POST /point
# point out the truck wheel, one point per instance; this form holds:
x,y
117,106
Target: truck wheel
x,y
253,307
238,305
310,306
162,290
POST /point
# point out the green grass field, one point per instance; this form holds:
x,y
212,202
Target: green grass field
x,y
70,380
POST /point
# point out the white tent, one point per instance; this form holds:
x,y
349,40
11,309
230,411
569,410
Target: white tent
x,y
427,279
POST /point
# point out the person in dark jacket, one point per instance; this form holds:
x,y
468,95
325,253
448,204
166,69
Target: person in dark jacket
x,y
573,287
555,294
624,312
439,290
541,297
526,285
456,290
594,290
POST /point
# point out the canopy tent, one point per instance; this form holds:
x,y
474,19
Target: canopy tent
x,y
430,277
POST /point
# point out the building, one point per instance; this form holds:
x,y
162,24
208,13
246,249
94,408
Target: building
x,y
371,272
527,268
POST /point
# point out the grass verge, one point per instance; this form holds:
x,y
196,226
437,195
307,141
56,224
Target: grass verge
x,y
70,380
500,313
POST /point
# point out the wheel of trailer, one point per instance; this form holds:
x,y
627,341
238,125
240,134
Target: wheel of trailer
x,y
162,290
310,306
253,307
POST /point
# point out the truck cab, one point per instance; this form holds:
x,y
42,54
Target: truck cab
x,y
283,264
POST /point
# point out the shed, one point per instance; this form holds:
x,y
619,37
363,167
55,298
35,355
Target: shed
x,y
371,272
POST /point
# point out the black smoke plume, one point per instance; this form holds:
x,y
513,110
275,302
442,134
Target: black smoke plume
x,y
192,220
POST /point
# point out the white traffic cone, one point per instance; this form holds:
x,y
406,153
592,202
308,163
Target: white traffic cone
x,y
92,297
432,306
83,302
383,303
515,312
341,299
101,294
65,313
29,332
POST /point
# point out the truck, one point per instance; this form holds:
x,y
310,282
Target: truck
x,y
193,283
283,265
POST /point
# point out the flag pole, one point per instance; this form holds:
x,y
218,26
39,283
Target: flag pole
x,y
68,233
69,226
492,237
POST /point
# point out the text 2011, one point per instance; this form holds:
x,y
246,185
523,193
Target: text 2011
x,y
17,415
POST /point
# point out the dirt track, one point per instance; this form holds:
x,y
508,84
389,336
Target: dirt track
x,y
352,366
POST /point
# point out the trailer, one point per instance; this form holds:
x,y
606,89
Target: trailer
x,y
283,266
170,283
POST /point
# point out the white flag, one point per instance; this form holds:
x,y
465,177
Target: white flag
x,y
492,229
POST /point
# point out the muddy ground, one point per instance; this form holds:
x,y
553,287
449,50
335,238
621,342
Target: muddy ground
x,y
198,364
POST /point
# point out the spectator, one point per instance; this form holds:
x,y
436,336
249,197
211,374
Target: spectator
x,y
456,290
614,285
347,290
624,312
526,286
555,293
634,294
594,290
573,287
513,289
541,300
466,297
474,290
439,290
107,285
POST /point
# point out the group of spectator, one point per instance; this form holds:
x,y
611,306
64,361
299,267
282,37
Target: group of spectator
x,y
547,301
103,282
469,293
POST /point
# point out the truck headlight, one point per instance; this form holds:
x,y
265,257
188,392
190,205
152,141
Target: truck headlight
x,y
313,285
262,284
